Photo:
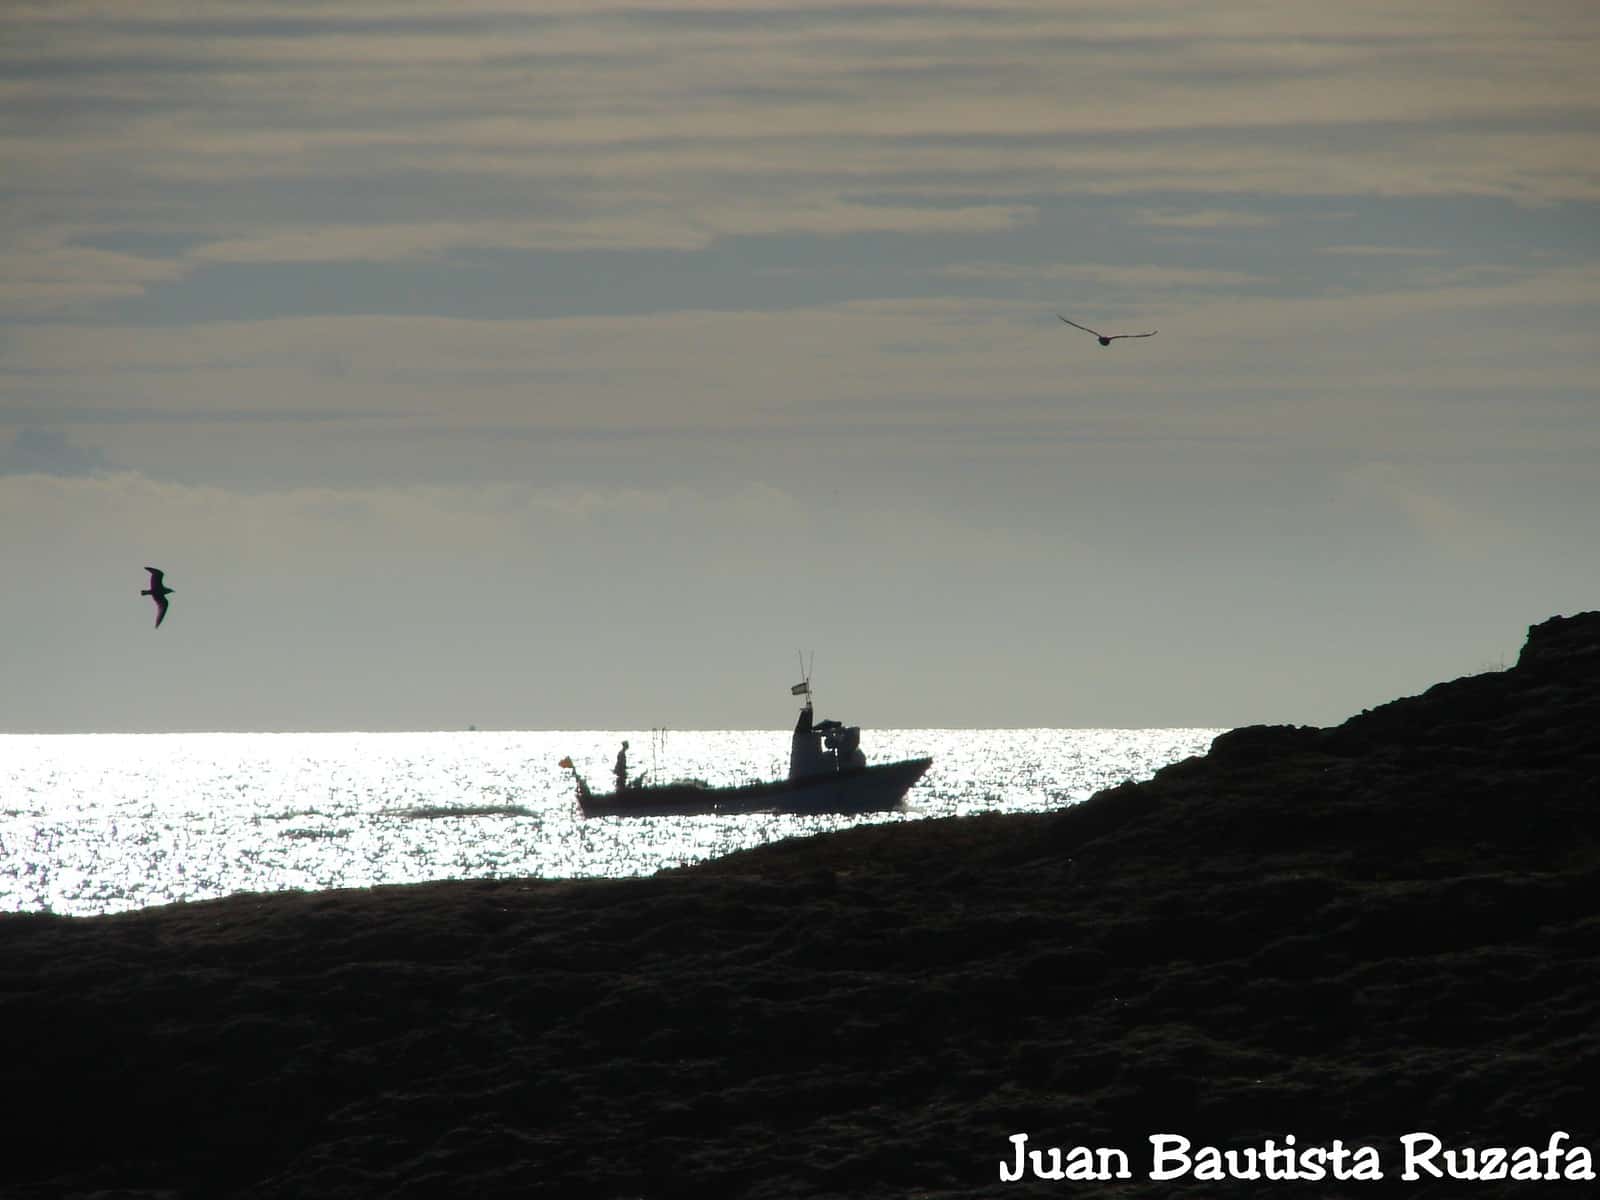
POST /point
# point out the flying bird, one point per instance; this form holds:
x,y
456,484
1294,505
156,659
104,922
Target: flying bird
x,y
1105,339
157,591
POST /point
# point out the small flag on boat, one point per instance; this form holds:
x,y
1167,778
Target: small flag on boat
x,y
565,762
801,689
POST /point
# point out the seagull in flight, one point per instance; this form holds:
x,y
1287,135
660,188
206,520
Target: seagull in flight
x,y
157,591
1106,340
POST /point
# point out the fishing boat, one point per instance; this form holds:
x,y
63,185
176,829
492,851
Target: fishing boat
x,y
827,774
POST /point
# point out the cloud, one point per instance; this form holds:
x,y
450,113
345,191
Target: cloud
x,y
45,452
399,241
48,272
1204,218
818,215
1149,277
1444,522
607,124
1359,251
894,363
231,527
564,536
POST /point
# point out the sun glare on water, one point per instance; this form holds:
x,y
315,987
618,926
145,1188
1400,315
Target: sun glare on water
x,y
108,822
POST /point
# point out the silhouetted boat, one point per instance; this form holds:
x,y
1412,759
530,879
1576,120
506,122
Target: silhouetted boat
x,y
827,774
863,789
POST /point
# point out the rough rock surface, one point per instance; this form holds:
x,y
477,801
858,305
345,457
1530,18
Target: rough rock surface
x,y
1357,933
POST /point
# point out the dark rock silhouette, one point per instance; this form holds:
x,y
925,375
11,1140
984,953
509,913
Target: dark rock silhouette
x,y
1360,932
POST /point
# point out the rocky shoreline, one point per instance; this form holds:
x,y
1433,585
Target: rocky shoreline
x,y
1343,935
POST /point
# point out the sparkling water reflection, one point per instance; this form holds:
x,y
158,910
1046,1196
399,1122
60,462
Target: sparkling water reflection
x,y
101,823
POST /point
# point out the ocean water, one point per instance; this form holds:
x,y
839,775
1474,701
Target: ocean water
x,y
100,823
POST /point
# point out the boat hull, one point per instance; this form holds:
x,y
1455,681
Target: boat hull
x,y
877,788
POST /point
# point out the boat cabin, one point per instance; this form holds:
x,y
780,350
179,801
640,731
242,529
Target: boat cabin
x,y
823,747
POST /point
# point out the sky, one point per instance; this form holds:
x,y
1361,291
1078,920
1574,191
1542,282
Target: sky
x,y
579,364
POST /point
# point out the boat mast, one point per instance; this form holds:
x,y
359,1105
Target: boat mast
x,y
658,746
803,688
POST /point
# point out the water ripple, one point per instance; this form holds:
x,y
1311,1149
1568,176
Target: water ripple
x,y
101,823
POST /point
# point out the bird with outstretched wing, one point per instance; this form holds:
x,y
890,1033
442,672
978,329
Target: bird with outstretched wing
x,y
1107,339
157,591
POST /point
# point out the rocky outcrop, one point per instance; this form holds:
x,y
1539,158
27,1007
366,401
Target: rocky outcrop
x,y
1352,933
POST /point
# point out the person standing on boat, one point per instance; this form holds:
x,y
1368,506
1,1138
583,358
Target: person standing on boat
x,y
621,769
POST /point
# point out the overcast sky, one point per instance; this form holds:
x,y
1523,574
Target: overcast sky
x,y
574,363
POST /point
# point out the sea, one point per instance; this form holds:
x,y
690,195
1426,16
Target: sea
x,y
103,823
